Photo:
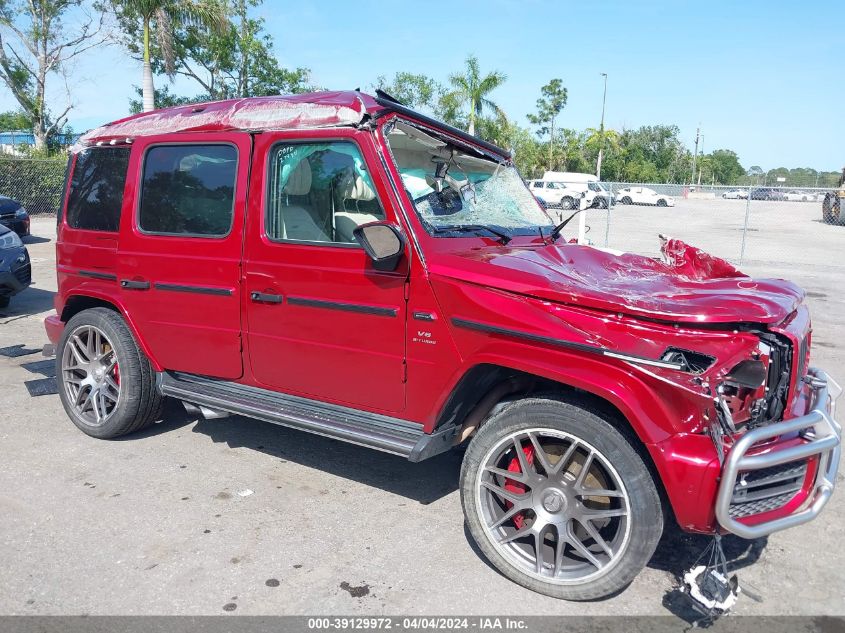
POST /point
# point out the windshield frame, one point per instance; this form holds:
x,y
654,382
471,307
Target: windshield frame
x,y
539,231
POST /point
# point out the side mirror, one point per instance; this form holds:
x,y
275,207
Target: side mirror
x,y
383,242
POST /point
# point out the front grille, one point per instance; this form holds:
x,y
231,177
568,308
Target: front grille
x,y
23,274
766,489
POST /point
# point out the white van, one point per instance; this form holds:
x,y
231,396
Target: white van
x,y
594,194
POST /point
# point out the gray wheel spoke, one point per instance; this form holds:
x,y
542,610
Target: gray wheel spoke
x,y
524,531
593,532
538,551
583,551
599,492
78,349
516,509
507,474
589,514
585,468
564,459
514,497
112,385
520,455
560,546
540,454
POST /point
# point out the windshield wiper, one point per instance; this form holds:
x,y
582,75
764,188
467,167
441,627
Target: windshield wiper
x,y
463,228
556,231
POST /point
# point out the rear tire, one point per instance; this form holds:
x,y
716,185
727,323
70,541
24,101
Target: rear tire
x,y
541,497
567,203
4,302
106,383
625,200
661,203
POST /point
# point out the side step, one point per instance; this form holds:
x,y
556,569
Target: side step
x,y
381,432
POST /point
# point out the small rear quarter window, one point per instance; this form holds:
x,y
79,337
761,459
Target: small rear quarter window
x,y
188,190
96,188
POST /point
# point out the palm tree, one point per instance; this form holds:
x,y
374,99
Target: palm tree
x,y
471,89
165,16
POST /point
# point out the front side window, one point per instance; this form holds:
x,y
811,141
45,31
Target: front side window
x,y
96,188
455,190
319,192
188,190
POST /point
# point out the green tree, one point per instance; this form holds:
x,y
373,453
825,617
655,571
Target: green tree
x,y
721,167
471,90
14,121
163,99
38,38
138,18
415,90
549,106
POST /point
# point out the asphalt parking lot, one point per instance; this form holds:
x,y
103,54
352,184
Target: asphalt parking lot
x,y
210,517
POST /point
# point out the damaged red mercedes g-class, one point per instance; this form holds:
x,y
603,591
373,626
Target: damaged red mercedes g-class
x,y
340,264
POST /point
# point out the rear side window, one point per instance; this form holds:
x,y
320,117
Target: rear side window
x,y
188,190
96,188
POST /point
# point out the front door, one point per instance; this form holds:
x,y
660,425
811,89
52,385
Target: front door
x,y
321,321
179,260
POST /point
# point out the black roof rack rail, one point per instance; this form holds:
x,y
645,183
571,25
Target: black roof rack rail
x,y
391,105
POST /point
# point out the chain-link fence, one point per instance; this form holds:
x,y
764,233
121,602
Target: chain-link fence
x,y
35,183
780,225
755,225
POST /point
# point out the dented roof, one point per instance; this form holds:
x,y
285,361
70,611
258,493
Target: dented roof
x,y
312,110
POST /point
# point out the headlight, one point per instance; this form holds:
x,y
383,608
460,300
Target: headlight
x,y
20,213
10,240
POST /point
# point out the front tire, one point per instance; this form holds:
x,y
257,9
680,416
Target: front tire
x,y
567,203
559,501
106,383
661,203
625,200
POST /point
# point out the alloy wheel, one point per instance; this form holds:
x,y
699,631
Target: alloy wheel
x,y
90,375
553,506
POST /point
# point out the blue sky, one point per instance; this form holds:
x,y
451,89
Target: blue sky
x,y
763,79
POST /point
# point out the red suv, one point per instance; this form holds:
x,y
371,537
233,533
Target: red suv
x,y
340,264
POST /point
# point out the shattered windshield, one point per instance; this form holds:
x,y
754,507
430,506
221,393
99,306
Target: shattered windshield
x,y
453,189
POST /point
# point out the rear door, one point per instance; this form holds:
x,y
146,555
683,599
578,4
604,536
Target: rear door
x,y
180,250
321,321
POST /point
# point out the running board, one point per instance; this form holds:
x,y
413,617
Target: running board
x,y
381,432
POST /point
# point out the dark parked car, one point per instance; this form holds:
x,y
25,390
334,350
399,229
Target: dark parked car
x,y
768,193
14,216
15,269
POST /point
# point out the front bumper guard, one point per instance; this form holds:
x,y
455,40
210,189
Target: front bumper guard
x,y
826,444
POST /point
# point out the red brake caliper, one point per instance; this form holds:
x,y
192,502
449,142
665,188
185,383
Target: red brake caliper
x,y
515,486
116,372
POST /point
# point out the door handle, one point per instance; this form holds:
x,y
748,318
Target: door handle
x,y
262,297
131,284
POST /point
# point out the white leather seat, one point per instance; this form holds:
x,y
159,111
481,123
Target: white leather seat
x,y
346,221
297,223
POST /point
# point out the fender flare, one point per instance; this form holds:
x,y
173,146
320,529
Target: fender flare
x,y
82,292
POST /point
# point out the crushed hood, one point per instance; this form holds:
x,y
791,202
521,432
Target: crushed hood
x,y
688,285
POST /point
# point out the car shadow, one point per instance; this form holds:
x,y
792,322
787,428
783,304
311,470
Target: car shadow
x,y
34,239
678,551
423,482
30,301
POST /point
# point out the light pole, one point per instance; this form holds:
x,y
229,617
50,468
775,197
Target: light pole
x,y
601,128
695,156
